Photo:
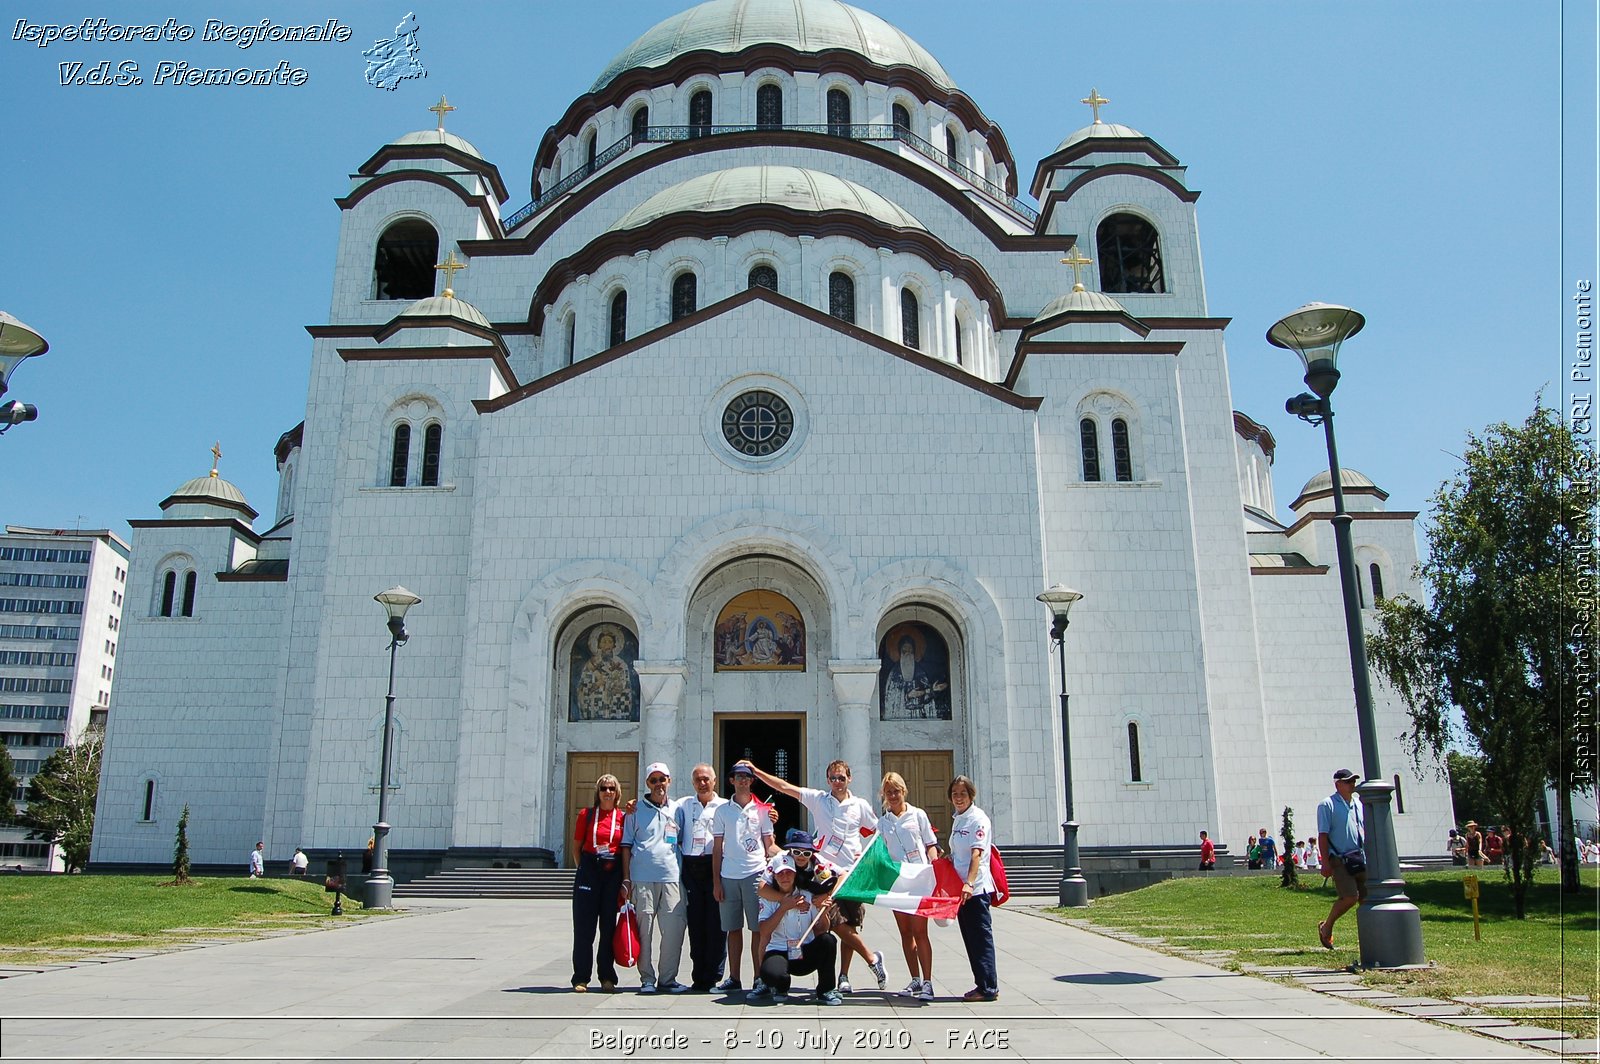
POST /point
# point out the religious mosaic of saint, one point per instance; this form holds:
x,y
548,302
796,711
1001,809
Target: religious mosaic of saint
x,y
914,674
604,685
760,630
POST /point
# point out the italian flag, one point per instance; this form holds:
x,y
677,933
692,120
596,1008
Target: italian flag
x,y
926,890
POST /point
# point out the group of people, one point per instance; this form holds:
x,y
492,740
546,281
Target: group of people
x,y
258,861
1478,847
710,870
1263,853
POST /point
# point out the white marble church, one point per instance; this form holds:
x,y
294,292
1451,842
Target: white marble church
x,y
757,432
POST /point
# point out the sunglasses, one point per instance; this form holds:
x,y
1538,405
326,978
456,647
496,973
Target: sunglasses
x,y
653,780
604,790
799,853
838,779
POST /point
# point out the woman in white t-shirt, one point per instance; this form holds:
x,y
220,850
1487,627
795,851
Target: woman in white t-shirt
x,y
971,836
910,840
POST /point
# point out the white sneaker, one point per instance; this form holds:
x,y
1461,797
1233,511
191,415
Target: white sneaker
x,y
844,986
912,989
926,993
878,971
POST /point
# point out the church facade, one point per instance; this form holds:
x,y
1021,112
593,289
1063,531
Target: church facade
x,y
756,433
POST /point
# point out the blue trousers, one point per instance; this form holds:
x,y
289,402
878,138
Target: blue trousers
x,y
977,934
708,945
594,908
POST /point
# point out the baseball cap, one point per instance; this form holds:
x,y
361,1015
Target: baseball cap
x,y
798,839
657,766
1344,774
744,768
781,863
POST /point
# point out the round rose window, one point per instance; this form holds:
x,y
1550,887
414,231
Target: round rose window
x,y
757,424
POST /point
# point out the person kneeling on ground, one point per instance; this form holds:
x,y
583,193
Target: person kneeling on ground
x,y
794,947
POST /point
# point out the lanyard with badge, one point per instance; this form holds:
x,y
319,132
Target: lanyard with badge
x,y
606,852
700,832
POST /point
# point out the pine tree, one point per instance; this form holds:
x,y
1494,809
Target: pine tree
x,y
1291,876
180,852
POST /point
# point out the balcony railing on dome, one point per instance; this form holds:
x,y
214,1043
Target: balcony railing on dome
x,y
865,132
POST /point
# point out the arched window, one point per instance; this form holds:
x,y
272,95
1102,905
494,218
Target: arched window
x,y
838,112
700,114
1135,774
640,124
910,320
572,339
402,266
400,456
1130,255
901,118
619,319
149,801
842,296
769,107
763,276
1399,799
169,590
961,328
1089,439
1377,586
588,151
432,439
684,295
1121,458
188,593
950,144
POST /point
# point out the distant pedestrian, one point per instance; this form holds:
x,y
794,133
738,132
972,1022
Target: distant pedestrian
x,y
1341,841
1474,845
297,866
258,862
1208,853
1494,847
1269,851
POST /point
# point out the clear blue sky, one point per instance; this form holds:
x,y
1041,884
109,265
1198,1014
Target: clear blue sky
x,y
172,242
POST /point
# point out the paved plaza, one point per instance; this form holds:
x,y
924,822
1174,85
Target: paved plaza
x,y
487,981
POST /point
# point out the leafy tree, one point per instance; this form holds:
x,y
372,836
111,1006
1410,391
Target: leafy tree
x,y
1290,876
1508,631
61,799
8,786
180,852
1467,791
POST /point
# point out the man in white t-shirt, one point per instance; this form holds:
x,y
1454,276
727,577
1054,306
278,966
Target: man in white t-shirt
x,y
839,819
258,862
741,844
707,943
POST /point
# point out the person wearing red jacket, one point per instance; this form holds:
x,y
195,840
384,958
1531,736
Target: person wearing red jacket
x,y
597,838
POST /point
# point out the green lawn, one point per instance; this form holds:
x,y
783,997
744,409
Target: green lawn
x,y
59,917
1554,951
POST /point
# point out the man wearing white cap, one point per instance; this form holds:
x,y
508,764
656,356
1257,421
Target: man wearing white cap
x,y
650,853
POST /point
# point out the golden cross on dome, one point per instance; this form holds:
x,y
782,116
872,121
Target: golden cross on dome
x,y
441,109
450,265
1078,260
1094,100
216,456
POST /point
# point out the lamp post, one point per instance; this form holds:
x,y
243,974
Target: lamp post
x,y
1073,890
378,891
1389,925
17,342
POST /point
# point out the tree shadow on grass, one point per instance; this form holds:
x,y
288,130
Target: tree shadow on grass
x,y
253,890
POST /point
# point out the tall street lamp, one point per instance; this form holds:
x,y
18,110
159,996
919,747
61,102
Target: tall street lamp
x,y
1389,925
1073,888
378,891
17,342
